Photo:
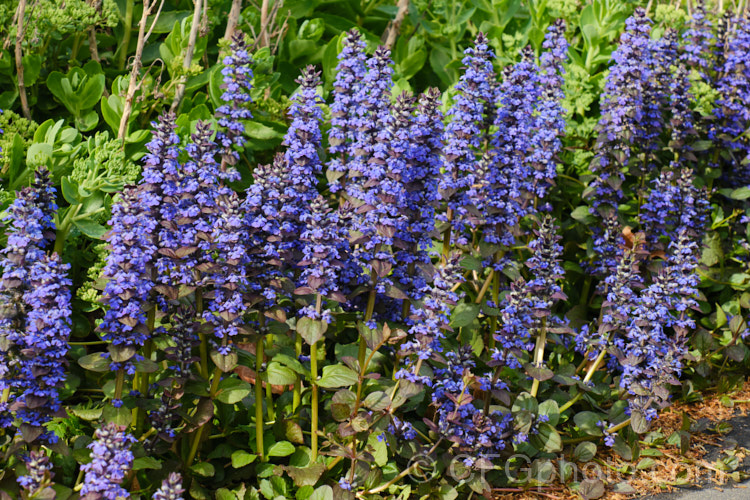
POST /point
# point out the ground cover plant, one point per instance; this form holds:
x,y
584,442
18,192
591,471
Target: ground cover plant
x,y
230,274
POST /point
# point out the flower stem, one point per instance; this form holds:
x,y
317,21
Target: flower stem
x,y
368,316
259,397
539,354
314,384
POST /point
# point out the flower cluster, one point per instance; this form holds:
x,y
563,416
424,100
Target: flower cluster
x,y
324,245
171,488
128,271
35,313
38,473
478,434
529,303
430,321
732,112
350,71
302,161
622,110
420,191
236,96
45,342
469,118
111,460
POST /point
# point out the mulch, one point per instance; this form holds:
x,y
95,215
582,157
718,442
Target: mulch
x,y
716,457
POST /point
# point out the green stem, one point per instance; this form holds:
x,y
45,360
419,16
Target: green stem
x,y
314,402
368,316
63,228
297,394
119,383
128,26
539,354
619,426
586,379
270,413
314,385
259,398
197,437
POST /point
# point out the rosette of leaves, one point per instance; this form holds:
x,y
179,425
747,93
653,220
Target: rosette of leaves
x,y
101,171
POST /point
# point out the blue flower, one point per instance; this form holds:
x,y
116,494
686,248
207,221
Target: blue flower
x,y
430,321
528,305
111,460
622,107
45,342
470,117
236,97
171,488
128,271
350,72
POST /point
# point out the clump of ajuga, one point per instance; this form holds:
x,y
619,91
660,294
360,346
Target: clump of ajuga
x,y
171,488
477,435
35,318
111,460
526,316
466,133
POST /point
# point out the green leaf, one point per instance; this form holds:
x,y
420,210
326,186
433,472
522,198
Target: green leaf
x,y
279,374
224,362
322,493
90,228
70,191
525,401
551,410
204,469
234,393
225,494
584,452
547,439
587,422
336,376
120,416
311,330
146,463
241,458
582,215
281,449
94,362
464,314
742,193
88,414
591,489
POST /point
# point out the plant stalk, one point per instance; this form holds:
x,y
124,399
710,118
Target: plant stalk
x,y
20,14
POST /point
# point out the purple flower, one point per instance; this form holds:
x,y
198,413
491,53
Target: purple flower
x,y
302,162
324,245
698,41
237,84
171,488
229,276
38,473
187,213
111,460
528,305
419,179
622,110
430,320
128,271
509,182
45,343
475,433
29,230
732,109
350,72
470,115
